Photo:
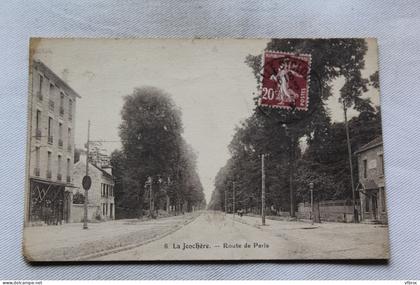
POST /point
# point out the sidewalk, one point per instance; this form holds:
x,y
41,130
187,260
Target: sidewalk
x,y
327,240
71,242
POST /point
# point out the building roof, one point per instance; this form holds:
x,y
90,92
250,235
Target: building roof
x,y
373,143
50,74
104,172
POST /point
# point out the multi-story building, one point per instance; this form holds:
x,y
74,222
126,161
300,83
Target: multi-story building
x,y
101,205
51,112
371,182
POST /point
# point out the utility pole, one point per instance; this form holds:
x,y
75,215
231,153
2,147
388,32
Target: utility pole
x,y
85,208
311,188
226,200
353,191
234,194
291,169
262,190
150,197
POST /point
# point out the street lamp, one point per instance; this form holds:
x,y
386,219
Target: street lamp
x,y
311,188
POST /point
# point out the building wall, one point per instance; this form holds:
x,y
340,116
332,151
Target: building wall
x,y
371,169
39,144
78,212
39,136
95,196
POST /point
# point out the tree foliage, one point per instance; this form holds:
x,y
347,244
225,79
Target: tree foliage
x,y
282,133
153,146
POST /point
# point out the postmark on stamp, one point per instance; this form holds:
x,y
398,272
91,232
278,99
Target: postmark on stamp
x,y
285,80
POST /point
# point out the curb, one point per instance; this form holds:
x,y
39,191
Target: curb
x,y
131,246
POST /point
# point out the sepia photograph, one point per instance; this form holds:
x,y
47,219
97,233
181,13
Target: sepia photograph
x,y
204,149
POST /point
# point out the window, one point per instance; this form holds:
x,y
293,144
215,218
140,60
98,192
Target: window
x,y
51,90
364,168
68,170
50,130
381,164
38,124
59,164
103,209
41,81
60,134
59,168
49,164
61,103
37,158
70,109
51,101
38,118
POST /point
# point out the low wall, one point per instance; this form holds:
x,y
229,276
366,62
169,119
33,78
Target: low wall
x,y
330,211
77,213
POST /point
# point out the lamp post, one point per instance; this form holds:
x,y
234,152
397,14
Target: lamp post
x,y
233,198
149,182
262,190
311,188
353,191
86,187
160,180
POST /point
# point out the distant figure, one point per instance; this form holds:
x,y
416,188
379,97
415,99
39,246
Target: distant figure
x,y
240,213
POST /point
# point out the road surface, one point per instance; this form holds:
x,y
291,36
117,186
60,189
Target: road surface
x,y
215,236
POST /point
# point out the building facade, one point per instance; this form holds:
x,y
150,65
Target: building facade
x,y
371,185
101,203
51,112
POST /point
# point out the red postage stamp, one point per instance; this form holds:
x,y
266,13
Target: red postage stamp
x,y
285,80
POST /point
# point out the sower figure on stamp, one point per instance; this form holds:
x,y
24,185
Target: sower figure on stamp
x,y
285,93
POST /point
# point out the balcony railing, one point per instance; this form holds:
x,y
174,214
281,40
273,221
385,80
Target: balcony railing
x,y
50,139
61,111
39,96
49,174
69,148
59,177
60,143
36,171
38,134
68,179
51,105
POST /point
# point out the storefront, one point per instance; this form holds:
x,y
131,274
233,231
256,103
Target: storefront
x,y
49,202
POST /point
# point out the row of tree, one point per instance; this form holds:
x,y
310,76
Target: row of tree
x,y
156,163
281,134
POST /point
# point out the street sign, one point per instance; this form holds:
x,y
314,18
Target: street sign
x,y
86,182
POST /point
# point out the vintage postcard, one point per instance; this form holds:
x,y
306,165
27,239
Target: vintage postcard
x,y
204,149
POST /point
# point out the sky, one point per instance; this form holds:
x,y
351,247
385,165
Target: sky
x,y
207,79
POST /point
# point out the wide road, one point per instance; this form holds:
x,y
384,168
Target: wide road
x,y
211,236
215,236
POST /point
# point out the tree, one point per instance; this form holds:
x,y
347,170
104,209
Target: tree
x,y
265,132
152,146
